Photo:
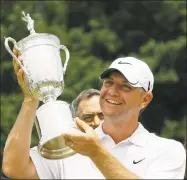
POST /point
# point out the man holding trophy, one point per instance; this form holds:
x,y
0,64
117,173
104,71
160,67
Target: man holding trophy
x,y
120,148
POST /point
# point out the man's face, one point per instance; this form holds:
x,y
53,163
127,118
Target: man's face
x,y
89,111
118,98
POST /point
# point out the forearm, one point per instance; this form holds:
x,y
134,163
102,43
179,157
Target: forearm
x,y
16,152
110,167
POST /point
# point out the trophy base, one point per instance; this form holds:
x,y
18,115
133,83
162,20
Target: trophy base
x,y
53,119
55,149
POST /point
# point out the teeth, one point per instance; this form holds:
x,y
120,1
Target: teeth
x,y
113,102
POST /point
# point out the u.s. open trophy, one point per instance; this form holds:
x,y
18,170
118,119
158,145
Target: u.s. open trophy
x,y
44,76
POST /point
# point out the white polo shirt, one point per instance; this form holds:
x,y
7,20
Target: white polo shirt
x,y
144,153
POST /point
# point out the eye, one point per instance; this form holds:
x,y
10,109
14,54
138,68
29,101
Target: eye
x,y
88,117
101,115
127,87
107,82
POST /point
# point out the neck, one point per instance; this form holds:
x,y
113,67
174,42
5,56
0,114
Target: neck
x,y
120,130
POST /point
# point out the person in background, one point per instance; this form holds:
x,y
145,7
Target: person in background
x,y
86,106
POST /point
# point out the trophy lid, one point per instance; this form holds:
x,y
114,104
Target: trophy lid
x,y
29,21
33,34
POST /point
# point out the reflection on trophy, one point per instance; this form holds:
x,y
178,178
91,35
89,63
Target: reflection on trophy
x,y
44,76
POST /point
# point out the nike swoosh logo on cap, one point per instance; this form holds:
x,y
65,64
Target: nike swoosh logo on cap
x,y
121,62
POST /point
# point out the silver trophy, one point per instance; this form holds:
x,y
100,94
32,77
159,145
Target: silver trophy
x,y
44,76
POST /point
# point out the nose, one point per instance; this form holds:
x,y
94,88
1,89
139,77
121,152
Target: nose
x,y
113,90
96,122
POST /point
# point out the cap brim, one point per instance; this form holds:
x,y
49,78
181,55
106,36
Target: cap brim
x,y
107,72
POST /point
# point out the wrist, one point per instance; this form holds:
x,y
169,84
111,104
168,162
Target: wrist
x,y
97,152
30,99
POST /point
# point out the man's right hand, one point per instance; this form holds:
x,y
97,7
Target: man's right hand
x,y
20,78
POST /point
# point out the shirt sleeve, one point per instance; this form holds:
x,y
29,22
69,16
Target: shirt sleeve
x,y
46,168
169,165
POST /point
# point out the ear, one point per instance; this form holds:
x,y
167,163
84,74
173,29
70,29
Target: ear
x,y
146,99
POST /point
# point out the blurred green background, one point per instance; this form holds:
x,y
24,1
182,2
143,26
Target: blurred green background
x,y
97,32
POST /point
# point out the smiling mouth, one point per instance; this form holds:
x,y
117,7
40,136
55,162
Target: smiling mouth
x,y
113,102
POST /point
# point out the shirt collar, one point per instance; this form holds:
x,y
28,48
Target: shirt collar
x,y
139,137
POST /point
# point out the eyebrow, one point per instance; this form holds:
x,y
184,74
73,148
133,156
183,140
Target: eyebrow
x,y
90,114
124,81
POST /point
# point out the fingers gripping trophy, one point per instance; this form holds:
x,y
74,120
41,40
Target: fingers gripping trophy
x,y
44,77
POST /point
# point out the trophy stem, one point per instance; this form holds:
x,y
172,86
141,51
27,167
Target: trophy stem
x,y
49,98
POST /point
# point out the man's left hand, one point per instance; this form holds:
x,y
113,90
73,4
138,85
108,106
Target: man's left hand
x,y
86,143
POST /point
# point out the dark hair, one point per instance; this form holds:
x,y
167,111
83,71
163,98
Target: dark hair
x,y
85,94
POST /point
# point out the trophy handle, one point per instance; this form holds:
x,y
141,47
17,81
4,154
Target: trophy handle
x,y
13,55
67,56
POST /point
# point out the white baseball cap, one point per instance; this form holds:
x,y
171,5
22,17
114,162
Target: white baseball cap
x,y
135,71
